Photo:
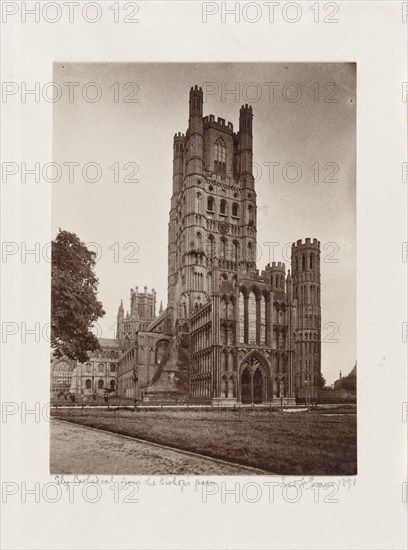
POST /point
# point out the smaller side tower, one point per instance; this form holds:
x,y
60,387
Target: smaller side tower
x,y
274,275
306,294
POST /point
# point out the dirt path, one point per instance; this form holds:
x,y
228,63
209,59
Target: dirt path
x,y
80,450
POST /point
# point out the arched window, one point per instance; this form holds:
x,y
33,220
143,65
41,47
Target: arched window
x,y
210,246
100,384
199,241
223,249
209,282
235,251
210,204
112,385
235,210
262,334
241,312
252,318
249,256
230,310
223,207
198,203
88,384
224,335
311,261
112,367
304,262
219,157
223,309
250,214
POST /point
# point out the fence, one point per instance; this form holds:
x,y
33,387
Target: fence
x,y
203,413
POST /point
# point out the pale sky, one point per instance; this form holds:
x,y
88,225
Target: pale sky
x,y
311,131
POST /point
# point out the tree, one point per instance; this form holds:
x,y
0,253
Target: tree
x,y
74,305
321,382
348,383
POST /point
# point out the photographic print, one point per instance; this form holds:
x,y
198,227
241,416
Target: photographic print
x,y
204,269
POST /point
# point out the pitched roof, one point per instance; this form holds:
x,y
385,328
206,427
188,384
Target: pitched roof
x,y
155,321
108,342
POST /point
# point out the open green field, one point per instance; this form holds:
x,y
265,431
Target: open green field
x,y
298,443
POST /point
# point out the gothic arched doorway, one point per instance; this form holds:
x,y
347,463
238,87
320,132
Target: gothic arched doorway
x,y
253,380
246,386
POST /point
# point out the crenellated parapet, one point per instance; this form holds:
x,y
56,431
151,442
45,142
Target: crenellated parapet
x,y
218,124
275,275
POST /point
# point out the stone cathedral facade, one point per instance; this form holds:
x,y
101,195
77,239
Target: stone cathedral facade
x,y
230,333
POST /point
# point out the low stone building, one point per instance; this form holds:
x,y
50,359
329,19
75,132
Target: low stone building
x,y
95,377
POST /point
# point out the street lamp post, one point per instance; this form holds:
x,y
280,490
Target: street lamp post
x,y
135,380
307,395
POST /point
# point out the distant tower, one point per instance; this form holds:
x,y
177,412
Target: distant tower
x,y
306,292
142,307
119,322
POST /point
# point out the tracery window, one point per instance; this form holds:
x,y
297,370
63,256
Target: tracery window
x,y
241,320
235,251
220,157
263,320
223,248
252,318
209,282
210,246
198,203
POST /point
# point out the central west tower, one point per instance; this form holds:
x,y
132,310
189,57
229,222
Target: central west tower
x,y
212,229
230,333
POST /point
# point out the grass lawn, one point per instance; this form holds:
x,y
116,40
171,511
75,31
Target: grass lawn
x,y
290,444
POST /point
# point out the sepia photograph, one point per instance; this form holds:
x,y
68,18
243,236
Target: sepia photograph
x,y
204,269
204,275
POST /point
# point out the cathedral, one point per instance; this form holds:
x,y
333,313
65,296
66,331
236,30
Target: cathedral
x,y
230,333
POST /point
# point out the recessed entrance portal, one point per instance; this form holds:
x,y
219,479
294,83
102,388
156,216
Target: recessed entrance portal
x,y
252,382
